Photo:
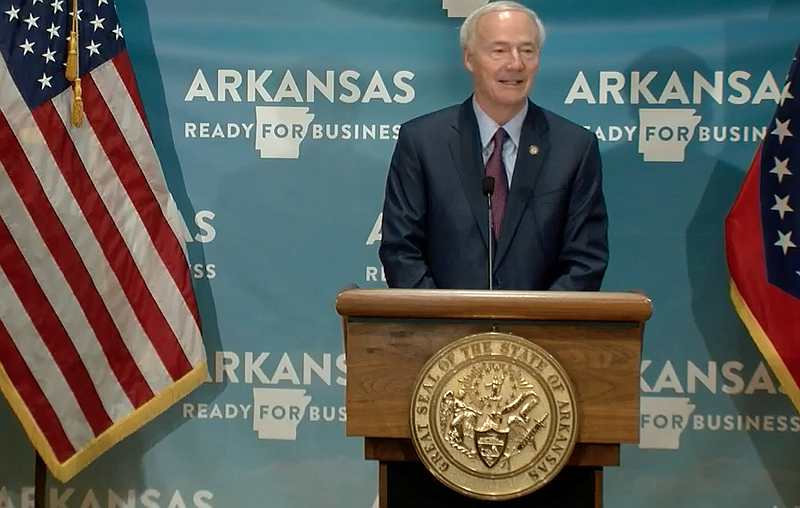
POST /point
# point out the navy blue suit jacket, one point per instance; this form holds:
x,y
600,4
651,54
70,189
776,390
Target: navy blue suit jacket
x,y
434,230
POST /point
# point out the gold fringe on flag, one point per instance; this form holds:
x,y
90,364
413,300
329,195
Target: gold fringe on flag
x,y
124,427
73,69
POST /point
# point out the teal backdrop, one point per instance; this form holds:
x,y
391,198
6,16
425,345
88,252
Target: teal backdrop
x,y
275,122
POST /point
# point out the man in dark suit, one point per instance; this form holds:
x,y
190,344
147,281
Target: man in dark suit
x,y
550,222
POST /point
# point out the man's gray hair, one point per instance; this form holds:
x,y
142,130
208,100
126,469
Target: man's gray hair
x,y
467,32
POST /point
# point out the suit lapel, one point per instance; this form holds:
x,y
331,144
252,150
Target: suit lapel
x,y
531,154
466,152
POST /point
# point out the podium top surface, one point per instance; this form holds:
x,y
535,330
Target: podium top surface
x,y
496,304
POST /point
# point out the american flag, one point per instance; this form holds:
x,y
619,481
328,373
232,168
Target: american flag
x,y
99,328
762,234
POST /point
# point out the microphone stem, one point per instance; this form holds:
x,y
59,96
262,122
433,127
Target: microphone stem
x,y
491,242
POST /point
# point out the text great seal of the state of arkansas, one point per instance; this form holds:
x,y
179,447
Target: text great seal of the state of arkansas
x,y
493,416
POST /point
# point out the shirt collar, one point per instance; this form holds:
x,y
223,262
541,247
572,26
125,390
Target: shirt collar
x,y
488,127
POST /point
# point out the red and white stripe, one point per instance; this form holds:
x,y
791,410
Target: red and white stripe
x,y
27,358
97,314
116,84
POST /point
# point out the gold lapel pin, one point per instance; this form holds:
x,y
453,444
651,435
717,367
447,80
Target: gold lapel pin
x,y
533,149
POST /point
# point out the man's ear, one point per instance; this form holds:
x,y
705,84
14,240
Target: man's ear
x,y
467,59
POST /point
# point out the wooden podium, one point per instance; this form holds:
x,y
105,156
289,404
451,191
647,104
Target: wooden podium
x,y
389,334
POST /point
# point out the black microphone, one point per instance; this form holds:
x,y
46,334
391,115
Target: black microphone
x,y
488,186
488,189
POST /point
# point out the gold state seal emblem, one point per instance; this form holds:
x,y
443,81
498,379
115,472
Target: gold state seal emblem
x,y
493,416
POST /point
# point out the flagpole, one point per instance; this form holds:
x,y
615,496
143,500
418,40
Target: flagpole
x,y
39,478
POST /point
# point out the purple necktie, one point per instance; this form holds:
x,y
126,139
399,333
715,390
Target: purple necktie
x,y
496,169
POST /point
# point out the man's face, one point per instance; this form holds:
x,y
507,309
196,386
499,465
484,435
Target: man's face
x,y
503,59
